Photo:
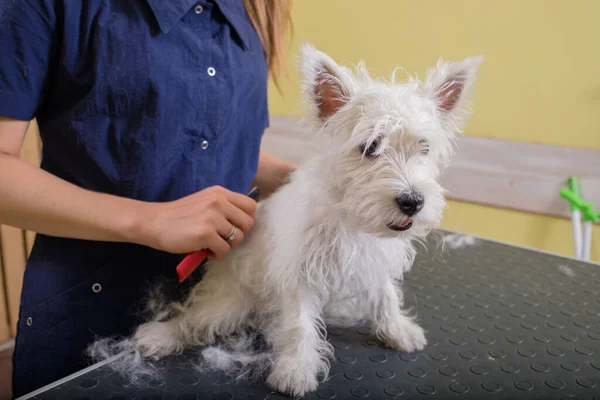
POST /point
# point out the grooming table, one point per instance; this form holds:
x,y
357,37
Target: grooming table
x,y
503,323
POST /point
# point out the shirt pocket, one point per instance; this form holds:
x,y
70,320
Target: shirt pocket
x,y
74,302
56,333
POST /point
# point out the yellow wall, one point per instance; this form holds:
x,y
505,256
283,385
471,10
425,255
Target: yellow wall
x,y
539,81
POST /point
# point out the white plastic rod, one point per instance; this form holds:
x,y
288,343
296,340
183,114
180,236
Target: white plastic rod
x,y
587,240
576,218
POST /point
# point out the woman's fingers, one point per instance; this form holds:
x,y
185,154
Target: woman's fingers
x,y
226,229
239,218
218,246
242,202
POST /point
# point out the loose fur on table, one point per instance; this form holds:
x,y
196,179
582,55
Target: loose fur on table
x,y
458,241
335,241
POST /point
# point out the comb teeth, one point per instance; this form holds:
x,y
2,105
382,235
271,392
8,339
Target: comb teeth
x,y
254,194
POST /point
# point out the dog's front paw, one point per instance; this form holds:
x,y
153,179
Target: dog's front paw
x,y
405,336
292,382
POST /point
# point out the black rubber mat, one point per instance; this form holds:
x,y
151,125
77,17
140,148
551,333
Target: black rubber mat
x,y
502,322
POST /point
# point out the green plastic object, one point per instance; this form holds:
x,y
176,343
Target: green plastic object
x,y
574,188
572,196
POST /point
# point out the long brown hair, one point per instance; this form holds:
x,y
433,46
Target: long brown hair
x,y
272,20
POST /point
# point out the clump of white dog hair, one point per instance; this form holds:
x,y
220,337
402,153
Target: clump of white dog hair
x,y
458,241
566,270
127,361
235,358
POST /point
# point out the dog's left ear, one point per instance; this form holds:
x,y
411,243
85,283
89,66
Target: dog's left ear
x,y
327,86
450,85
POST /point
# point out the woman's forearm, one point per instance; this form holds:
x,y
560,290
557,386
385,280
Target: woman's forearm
x,y
271,174
35,200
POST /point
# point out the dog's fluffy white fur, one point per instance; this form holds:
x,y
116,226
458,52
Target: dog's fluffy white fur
x,y
329,244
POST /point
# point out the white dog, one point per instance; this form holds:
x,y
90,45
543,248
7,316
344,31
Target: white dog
x,y
340,234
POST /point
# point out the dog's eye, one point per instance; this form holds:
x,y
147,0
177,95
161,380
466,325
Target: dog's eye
x,y
424,147
369,149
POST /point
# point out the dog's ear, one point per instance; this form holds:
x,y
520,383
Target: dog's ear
x,y
327,86
450,85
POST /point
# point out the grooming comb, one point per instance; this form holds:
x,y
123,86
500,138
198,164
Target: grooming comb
x,y
198,258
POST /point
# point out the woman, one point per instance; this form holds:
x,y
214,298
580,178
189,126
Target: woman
x,y
151,114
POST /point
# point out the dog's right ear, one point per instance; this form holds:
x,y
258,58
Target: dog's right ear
x,y
327,86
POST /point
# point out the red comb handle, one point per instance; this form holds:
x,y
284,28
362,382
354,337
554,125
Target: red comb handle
x,y
190,263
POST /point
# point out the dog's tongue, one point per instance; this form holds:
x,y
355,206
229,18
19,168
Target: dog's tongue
x,y
405,223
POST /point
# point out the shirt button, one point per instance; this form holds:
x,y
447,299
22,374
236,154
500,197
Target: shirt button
x,y
29,321
198,9
211,71
204,145
96,287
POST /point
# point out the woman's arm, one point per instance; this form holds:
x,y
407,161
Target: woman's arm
x,y
271,174
35,200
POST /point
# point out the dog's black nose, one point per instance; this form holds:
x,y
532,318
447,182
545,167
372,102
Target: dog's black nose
x,y
411,203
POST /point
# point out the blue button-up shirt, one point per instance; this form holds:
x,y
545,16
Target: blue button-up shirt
x,y
146,99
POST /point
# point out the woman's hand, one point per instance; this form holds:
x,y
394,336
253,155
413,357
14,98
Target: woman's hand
x,y
199,221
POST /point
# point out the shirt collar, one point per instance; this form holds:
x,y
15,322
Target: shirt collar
x,y
169,12
235,13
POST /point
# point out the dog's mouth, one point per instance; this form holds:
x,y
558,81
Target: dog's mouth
x,y
404,226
